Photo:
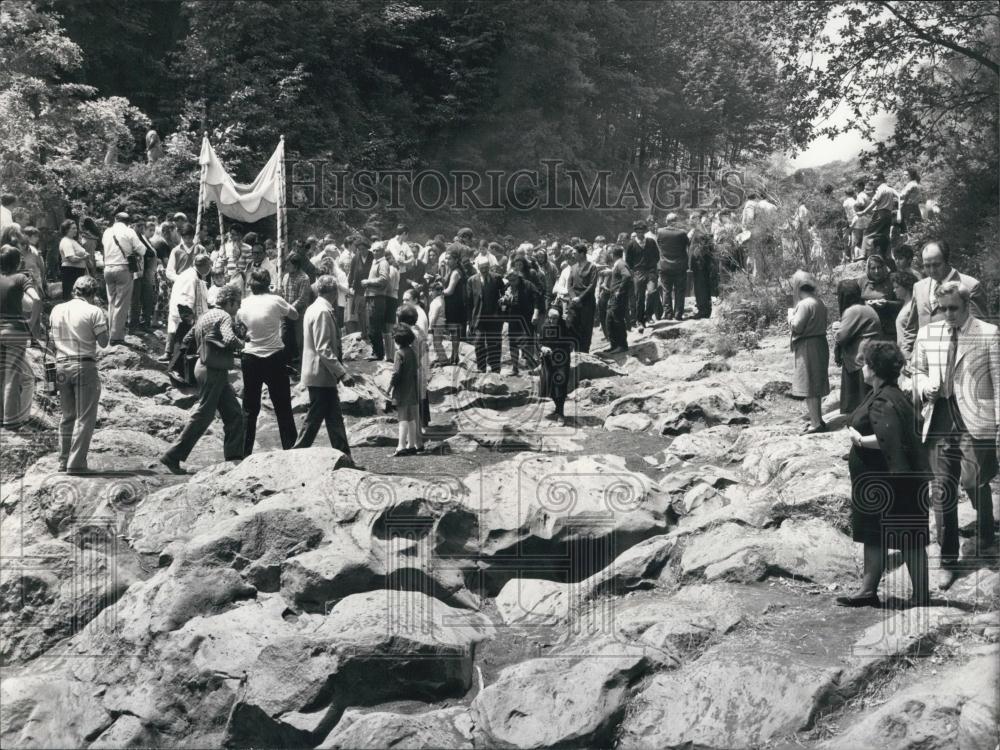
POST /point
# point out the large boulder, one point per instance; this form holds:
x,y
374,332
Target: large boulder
x,y
222,490
446,727
53,589
732,696
570,698
532,601
554,507
809,550
956,708
708,401
142,383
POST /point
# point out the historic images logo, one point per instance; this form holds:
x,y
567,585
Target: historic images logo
x,y
318,184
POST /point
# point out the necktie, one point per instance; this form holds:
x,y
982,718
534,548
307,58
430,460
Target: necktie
x,y
948,385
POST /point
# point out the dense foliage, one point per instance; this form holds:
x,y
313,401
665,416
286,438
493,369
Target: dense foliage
x,y
447,84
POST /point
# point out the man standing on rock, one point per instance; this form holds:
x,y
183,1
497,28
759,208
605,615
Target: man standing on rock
x,y
121,244
266,359
322,369
485,323
957,366
641,256
375,287
618,290
217,342
78,327
673,243
583,302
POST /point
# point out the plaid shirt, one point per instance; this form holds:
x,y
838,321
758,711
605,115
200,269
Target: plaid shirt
x,y
296,290
219,325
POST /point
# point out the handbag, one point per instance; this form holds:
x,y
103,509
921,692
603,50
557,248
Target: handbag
x,y
130,258
213,354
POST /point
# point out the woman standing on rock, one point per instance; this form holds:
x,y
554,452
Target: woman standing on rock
x,y
858,322
877,293
812,353
888,471
556,344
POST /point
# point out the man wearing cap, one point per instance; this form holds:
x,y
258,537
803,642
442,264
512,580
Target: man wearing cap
x,y
78,327
485,322
582,302
673,243
374,290
120,242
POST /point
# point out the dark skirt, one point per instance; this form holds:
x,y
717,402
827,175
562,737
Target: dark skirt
x,y
890,510
69,276
853,390
554,380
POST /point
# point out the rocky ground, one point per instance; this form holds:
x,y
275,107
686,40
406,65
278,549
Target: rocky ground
x,y
657,573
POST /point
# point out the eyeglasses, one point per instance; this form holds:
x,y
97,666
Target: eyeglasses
x,y
950,308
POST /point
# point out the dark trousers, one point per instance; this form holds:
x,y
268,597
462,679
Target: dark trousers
x,y
272,372
216,395
69,276
486,339
376,324
324,406
958,459
291,337
673,285
702,274
602,312
640,279
143,302
617,323
580,319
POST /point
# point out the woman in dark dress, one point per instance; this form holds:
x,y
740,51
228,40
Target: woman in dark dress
x,y
888,473
454,302
556,344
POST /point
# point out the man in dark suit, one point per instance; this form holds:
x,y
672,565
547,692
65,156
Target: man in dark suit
x,y
673,244
640,257
484,292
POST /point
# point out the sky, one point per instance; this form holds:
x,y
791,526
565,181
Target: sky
x,y
845,146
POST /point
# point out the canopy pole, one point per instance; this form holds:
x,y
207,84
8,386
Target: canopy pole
x,y
281,209
201,199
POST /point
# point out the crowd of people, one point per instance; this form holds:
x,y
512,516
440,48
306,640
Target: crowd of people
x,y
280,316
920,368
920,389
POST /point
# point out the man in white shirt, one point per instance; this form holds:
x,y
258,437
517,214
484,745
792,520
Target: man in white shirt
x,y
264,359
850,214
119,242
78,327
191,291
397,245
